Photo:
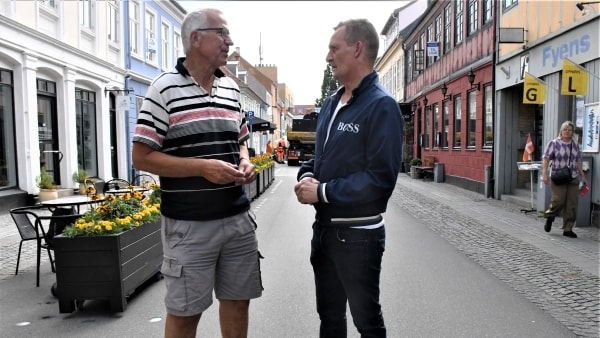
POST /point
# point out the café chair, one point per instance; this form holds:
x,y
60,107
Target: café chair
x,y
116,184
29,224
143,180
97,182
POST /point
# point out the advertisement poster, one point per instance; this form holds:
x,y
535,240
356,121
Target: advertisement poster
x,y
591,128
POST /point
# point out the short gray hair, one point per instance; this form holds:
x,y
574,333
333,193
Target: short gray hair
x,y
564,126
361,30
192,21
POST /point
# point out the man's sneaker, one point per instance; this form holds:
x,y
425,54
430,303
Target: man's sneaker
x,y
570,234
548,224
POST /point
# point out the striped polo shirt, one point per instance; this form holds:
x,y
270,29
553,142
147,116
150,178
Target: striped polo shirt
x,y
178,117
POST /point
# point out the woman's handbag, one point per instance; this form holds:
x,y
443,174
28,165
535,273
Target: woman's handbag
x,y
563,175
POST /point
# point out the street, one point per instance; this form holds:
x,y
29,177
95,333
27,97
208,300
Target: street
x,y
444,275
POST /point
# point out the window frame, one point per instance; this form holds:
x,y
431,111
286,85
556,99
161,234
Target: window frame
x,y
457,119
473,18
471,119
459,22
165,43
488,117
150,18
113,23
135,29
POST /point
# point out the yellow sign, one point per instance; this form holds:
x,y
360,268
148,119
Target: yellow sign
x,y
534,90
574,79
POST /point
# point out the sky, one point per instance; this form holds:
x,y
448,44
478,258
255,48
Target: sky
x,y
294,34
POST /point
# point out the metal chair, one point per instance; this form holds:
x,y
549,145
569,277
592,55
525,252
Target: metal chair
x,y
95,181
115,184
144,180
29,224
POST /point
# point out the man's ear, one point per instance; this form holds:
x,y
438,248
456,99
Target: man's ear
x,y
358,48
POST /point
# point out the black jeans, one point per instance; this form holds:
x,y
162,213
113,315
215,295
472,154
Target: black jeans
x,y
347,265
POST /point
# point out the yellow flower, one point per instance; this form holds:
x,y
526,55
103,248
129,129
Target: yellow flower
x,y
115,214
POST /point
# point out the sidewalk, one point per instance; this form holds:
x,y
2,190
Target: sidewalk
x,y
559,274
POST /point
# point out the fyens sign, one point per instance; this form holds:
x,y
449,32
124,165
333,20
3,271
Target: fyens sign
x,y
557,53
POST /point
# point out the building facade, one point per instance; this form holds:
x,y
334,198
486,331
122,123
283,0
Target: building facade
x,y
449,83
63,65
540,48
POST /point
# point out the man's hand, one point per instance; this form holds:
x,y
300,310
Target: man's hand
x,y
221,172
249,172
306,190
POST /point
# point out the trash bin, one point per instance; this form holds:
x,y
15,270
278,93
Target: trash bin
x,y
438,172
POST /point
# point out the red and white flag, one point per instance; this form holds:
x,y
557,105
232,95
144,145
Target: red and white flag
x,y
528,149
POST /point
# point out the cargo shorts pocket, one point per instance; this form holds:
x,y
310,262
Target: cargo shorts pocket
x,y
172,271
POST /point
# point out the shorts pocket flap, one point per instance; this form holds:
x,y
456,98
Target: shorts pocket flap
x,y
171,268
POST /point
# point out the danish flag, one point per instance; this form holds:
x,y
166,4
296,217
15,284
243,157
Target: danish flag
x,y
528,149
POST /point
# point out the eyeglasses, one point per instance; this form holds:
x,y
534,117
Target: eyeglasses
x,y
222,31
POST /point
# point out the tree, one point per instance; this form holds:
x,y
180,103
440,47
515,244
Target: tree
x,y
329,85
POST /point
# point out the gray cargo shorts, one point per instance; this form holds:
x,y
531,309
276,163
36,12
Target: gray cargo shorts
x,y
200,257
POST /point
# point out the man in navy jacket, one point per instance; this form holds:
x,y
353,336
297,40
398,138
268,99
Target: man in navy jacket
x,y
349,182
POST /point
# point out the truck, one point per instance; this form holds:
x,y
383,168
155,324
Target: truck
x,y
301,138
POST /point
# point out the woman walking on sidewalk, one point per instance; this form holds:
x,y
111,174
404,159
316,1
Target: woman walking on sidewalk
x,y
564,153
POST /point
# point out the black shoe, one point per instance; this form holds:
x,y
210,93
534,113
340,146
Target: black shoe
x,y
548,224
570,234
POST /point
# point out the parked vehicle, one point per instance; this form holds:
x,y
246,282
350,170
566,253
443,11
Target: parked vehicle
x,y
301,138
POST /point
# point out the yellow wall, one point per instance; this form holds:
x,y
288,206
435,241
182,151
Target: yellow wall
x,y
540,19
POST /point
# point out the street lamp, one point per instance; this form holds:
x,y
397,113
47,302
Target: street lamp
x,y
581,6
444,91
471,78
425,101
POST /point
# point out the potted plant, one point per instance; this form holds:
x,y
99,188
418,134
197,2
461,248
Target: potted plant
x,y
79,176
48,190
109,251
415,162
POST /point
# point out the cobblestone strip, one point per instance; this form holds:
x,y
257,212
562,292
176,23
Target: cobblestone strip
x,y
564,291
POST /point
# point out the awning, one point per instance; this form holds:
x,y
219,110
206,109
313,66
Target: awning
x,y
259,124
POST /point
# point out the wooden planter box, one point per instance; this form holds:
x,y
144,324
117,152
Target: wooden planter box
x,y
106,267
251,190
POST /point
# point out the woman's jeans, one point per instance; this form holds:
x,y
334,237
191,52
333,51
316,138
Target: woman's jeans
x,y
347,265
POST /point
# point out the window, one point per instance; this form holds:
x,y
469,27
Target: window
x,y
488,138
85,126
446,117
430,37
507,4
47,120
457,121
166,46
487,11
48,3
409,66
447,25
427,127
150,26
459,22
134,27
438,34
473,15
86,14
113,21
436,117
8,154
177,48
472,123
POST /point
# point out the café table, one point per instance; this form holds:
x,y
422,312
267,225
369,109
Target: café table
x,y
70,201
126,190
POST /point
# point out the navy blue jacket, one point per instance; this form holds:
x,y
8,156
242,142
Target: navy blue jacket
x,y
358,167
